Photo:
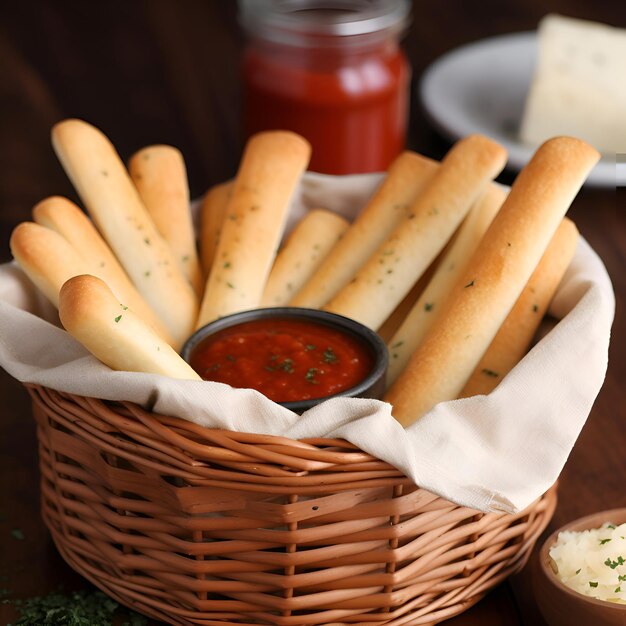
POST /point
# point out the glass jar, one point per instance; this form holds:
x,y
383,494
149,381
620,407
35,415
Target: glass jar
x,y
332,71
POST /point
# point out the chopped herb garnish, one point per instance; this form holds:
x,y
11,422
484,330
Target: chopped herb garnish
x,y
470,284
231,358
535,308
230,285
118,318
146,241
618,590
593,583
389,271
287,366
428,306
622,578
577,572
611,526
398,344
226,265
488,372
124,308
329,355
146,274
603,541
310,376
309,347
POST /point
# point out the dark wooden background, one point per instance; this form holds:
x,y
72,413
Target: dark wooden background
x,y
167,71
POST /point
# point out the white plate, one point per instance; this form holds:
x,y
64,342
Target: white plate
x,y
481,87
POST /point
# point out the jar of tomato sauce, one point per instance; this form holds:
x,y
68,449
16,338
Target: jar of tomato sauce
x,y
332,71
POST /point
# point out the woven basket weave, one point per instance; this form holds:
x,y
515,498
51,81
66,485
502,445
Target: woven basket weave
x,y
198,526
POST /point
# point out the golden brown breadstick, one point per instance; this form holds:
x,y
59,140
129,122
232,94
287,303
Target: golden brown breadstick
x,y
111,199
398,263
512,340
65,218
160,176
412,330
307,246
270,169
494,278
110,330
46,257
405,179
211,220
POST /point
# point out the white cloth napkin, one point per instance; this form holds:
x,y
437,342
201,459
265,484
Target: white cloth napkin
x,y
492,453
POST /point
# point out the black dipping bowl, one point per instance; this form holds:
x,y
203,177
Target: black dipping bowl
x,y
372,386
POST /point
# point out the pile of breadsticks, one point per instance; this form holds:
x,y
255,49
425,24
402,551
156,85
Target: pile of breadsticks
x,y
453,271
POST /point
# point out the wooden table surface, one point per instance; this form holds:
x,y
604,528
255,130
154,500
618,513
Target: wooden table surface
x,y
159,71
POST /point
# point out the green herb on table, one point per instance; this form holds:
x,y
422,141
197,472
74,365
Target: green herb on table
x,y
81,608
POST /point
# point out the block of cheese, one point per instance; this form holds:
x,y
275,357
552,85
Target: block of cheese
x,y
576,89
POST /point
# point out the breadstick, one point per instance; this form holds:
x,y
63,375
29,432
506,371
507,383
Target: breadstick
x,y
307,246
398,263
512,340
112,332
160,176
211,220
270,169
494,278
65,218
418,321
114,204
46,257
405,179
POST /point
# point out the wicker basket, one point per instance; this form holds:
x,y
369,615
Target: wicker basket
x,y
198,526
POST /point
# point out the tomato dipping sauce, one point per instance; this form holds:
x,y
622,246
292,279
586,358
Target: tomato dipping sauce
x,y
287,360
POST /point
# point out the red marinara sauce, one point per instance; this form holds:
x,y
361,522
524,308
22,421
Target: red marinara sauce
x,y
338,78
287,360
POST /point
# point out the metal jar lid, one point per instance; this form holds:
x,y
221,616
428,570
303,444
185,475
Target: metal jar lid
x,y
294,21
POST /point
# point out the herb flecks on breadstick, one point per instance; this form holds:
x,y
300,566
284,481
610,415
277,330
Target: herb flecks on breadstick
x,y
270,170
160,176
386,278
99,176
307,246
65,218
494,278
516,333
405,179
111,331
419,319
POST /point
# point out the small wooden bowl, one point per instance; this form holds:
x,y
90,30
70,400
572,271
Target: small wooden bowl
x,y
562,606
